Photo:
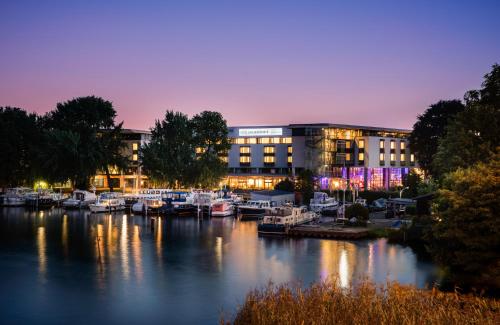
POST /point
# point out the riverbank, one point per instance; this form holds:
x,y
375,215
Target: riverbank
x,y
364,303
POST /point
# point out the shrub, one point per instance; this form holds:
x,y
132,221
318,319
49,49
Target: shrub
x,y
358,211
363,303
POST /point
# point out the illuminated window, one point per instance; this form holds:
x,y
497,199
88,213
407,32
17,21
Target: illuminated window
x,y
393,144
393,157
135,146
402,145
381,157
402,158
269,159
244,149
347,156
239,140
252,140
244,159
412,157
275,140
135,157
268,149
381,144
361,144
224,159
265,140
348,145
361,156
290,149
287,140
250,182
199,150
290,159
259,182
268,183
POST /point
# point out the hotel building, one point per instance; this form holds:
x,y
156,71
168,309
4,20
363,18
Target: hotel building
x,y
364,157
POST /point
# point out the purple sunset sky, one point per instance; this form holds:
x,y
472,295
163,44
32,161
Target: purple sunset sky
x,y
371,63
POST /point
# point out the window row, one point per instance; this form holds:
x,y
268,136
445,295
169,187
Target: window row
x,y
276,140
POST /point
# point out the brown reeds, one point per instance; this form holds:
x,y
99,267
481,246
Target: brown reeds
x,y
363,303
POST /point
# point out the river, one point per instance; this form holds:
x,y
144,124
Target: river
x,y
60,266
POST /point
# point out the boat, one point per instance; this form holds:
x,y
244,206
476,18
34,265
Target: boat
x,y
108,202
147,206
182,203
252,210
222,208
80,199
14,197
280,219
147,193
322,203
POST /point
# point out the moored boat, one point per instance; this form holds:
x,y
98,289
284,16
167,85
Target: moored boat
x,y
222,209
279,220
322,203
252,210
79,200
108,202
14,197
147,206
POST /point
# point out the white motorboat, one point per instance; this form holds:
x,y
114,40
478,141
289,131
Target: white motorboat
x,y
15,197
222,208
80,199
280,219
322,202
108,202
147,205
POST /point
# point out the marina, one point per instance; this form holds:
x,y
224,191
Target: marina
x,y
119,268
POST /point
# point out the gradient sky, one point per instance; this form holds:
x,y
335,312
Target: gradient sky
x,y
257,62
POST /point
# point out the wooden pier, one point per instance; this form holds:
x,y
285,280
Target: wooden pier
x,y
336,232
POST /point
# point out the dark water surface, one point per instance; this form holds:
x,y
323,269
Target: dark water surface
x,y
74,267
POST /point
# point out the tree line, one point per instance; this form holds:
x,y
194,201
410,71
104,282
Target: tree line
x,y
457,145
80,137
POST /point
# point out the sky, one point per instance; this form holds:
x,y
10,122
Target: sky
x,y
377,63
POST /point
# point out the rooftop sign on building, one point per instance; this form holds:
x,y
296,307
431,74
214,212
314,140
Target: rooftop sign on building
x,y
260,132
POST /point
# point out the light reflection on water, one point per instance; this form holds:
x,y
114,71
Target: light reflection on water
x,y
123,268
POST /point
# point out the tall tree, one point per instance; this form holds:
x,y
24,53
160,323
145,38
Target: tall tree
x,y
210,137
167,158
111,147
19,141
473,135
77,133
429,128
467,237
305,185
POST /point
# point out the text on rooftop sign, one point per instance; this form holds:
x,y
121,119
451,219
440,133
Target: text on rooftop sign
x,y
260,132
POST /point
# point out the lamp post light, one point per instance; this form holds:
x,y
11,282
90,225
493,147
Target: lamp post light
x,y
401,192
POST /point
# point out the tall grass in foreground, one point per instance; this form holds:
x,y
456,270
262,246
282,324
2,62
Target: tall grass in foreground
x,y
364,303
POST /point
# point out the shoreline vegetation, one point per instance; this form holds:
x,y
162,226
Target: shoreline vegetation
x,y
362,303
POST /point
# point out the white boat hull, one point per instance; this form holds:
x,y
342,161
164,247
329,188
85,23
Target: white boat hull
x,y
222,213
105,208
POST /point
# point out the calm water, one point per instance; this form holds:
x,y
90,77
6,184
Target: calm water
x,y
59,267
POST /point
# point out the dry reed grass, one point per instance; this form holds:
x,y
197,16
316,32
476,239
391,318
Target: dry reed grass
x,y
364,303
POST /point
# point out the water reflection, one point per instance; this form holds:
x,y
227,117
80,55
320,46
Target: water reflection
x,y
182,269
42,253
124,248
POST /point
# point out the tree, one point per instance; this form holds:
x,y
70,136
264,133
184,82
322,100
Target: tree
x,y
81,138
429,128
467,237
305,185
169,156
357,211
210,137
473,135
285,185
19,140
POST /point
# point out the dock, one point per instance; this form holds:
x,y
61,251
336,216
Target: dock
x,y
335,232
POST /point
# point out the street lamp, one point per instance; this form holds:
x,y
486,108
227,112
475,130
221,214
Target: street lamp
x,y
401,192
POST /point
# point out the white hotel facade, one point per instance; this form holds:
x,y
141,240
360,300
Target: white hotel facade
x,y
261,156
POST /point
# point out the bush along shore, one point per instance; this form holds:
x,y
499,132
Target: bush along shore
x,y
363,303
